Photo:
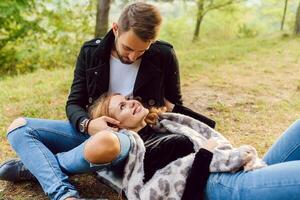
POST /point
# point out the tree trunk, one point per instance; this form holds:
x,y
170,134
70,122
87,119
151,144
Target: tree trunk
x,y
200,15
297,24
284,14
103,7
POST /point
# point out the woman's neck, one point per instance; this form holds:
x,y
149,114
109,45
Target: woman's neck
x,y
137,129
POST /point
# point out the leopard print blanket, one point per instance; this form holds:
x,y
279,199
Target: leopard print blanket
x,y
169,182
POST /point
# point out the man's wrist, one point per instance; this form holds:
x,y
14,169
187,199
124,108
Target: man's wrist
x,y
83,126
87,126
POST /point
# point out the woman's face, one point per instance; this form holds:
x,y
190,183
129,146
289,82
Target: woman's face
x,y
130,113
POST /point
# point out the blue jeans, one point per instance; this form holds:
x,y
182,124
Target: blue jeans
x,y
280,180
53,149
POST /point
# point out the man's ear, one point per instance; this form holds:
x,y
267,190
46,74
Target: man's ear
x,y
115,29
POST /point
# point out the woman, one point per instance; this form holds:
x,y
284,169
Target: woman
x,y
61,152
279,180
161,148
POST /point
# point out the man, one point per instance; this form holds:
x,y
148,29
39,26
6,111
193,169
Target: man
x,y
127,60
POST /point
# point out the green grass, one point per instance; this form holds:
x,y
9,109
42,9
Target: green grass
x,y
211,54
40,94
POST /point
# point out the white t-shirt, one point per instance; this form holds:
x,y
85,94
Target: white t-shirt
x,y
122,76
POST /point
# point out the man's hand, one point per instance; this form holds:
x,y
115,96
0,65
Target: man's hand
x,y
169,105
102,123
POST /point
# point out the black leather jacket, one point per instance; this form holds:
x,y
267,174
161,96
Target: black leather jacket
x,y
158,77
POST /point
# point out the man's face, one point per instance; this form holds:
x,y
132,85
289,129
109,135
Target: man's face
x,y
129,47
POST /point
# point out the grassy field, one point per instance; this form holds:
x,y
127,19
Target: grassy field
x,y
251,87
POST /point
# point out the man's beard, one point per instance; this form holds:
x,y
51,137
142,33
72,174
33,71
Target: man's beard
x,y
124,61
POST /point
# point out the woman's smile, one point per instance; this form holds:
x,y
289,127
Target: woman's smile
x,y
137,109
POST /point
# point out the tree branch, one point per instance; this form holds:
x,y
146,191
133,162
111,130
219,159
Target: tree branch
x,y
217,6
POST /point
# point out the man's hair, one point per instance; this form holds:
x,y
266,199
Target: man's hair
x,y
144,19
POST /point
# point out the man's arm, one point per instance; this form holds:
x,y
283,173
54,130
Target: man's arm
x,y
173,92
172,80
199,172
77,100
198,176
176,108
186,111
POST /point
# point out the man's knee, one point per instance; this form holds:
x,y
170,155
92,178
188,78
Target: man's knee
x,y
295,127
102,148
17,123
297,122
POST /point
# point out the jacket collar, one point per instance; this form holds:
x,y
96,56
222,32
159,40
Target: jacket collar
x,y
106,45
147,70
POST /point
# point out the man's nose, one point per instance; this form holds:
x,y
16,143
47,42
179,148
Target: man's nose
x,y
133,56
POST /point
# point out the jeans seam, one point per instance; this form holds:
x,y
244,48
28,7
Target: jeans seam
x,y
68,194
30,131
290,152
230,188
55,132
8,133
272,186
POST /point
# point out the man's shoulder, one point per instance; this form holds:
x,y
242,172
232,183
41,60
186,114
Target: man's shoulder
x,y
92,43
164,44
163,48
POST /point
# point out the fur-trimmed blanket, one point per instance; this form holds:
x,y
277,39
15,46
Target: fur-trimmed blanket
x,y
169,182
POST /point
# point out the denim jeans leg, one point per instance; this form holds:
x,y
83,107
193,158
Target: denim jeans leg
x,y
37,142
74,162
279,180
274,182
287,147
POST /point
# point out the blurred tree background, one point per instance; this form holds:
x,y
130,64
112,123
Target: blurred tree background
x,y
48,33
239,64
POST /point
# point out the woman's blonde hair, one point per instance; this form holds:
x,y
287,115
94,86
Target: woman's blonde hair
x,y
100,108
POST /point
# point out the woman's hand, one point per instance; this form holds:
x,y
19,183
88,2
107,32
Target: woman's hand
x,y
210,144
102,123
